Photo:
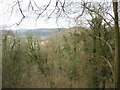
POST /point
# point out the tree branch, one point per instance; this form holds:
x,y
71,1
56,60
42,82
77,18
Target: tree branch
x,y
23,16
44,10
98,15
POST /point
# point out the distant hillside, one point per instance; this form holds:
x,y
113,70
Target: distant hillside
x,y
38,31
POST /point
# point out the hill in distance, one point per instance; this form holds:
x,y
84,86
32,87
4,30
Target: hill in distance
x,y
38,31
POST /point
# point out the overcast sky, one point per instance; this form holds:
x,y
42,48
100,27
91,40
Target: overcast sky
x,y
6,19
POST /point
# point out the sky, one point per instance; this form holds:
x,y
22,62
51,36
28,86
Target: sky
x,y
8,20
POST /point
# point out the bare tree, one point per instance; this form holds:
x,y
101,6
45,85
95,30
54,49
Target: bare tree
x,y
117,45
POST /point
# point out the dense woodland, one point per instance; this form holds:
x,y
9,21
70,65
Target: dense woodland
x,y
77,57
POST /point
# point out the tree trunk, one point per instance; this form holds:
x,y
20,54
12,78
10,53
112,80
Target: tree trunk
x,y
117,46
